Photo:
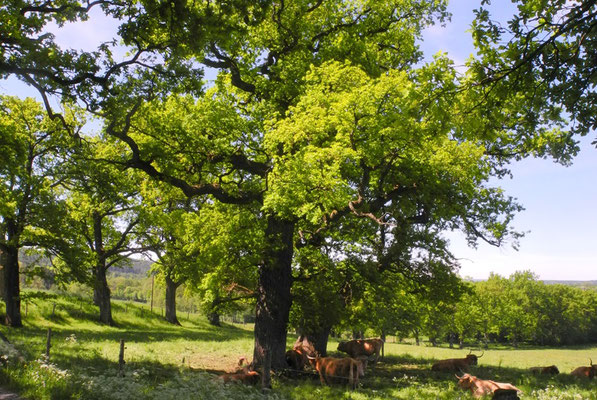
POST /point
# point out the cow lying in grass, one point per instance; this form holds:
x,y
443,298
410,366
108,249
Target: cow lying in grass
x,y
456,364
551,370
244,375
338,370
481,387
585,372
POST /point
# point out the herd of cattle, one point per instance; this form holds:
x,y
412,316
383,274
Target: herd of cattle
x,y
360,352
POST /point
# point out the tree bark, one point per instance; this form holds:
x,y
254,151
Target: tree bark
x,y
273,294
101,295
320,340
9,258
171,287
213,318
101,290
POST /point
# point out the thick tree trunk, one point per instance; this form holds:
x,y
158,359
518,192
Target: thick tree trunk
x,y
9,258
101,290
273,294
213,318
171,287
101,295
319,340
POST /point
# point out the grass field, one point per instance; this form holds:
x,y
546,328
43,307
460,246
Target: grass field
x,y
172,362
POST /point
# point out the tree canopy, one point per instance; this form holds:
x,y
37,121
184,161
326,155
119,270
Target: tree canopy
x,y
323,129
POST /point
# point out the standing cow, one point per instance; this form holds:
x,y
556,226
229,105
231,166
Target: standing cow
x,y
370,348
585,372
337,370
456,364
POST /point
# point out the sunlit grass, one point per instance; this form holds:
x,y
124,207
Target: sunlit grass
x,y
166,361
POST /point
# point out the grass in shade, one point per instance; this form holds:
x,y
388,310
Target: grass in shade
x,y
165,361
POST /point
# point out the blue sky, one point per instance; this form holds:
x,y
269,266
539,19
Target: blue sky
x,y
560,202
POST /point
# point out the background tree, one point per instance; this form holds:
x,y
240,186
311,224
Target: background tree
x,y
468,319
163,231
33,149
228,243
103,204
319,294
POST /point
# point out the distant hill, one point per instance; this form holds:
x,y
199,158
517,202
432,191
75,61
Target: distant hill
x,y
136,266
555,282
571,283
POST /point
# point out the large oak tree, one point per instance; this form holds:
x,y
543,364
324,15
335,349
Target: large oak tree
x,y
321,113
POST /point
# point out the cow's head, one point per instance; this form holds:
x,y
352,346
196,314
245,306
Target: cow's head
x,y
313,360
552,369
342,346
465,381
593,372
472,359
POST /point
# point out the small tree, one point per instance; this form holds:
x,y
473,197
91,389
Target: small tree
x,y
33,149
104,203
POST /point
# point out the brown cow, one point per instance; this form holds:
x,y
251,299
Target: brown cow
x,y
481,387
551,370
585,372
296,359
456,364
337,370
362,347
245,375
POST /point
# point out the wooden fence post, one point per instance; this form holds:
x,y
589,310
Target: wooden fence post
x,y
48,343
152,282
121,361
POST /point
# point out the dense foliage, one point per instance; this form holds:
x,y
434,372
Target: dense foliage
x,y
523,309
323,165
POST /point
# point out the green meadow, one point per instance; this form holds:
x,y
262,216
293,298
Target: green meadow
x,y
181,362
